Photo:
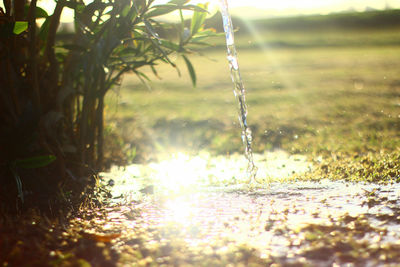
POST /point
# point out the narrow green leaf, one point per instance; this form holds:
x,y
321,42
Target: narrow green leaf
x,y
178,2
153,69
128,51
198,19
35,162
20,26
155,43
200,43
198,38
18,182
191,70
144,79
74,47
160,10
141,74
150,29
44,29
199,8
170,45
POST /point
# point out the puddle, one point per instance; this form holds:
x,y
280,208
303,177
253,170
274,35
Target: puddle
x,y
191,198
183,173
244,217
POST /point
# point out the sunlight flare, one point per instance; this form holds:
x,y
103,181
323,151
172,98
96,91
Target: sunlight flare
x,y
180,171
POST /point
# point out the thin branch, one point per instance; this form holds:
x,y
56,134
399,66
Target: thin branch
x,y
51,37
32,54
100,121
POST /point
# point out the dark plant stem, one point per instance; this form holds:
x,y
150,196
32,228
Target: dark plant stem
x,y
51,38
91,134
12,102
7,6
100,121
84,120
32,53
100,132
18,8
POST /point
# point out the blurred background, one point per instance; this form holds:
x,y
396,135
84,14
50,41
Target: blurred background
x,y
321,78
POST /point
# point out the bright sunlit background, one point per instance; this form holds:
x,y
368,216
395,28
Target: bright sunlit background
x,y
264,9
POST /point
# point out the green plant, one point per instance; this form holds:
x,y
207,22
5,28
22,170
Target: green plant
x,y
53,84
28,163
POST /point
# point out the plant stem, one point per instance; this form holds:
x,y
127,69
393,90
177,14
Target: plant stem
x,y
32,54
51,37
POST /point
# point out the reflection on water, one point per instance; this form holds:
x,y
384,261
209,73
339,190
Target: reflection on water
x,y
201,199
254,218
181,172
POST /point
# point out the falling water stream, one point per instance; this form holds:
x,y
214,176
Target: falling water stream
x,y
239,90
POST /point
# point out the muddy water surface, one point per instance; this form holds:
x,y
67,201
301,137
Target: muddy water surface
x,y
283,221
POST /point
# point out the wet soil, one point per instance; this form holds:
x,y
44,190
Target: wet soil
x,y
200,211
288,223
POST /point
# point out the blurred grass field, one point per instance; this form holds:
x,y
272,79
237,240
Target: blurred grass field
x,y
321,100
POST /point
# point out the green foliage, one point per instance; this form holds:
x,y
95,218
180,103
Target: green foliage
x,y
20,26
54,84
28,163
39,12
198,20
18,182
35,162
191,70
159,10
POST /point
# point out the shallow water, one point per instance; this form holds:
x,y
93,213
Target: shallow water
x,y
243,216
281,219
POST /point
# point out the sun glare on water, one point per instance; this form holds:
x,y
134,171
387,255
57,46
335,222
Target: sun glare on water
x,y
179,171
184,173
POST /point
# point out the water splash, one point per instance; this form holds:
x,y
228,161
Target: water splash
x,y
239,90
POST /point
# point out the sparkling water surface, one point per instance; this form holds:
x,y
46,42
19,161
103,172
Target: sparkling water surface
x,y
197,203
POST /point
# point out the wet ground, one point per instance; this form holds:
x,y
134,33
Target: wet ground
x,y
196,211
